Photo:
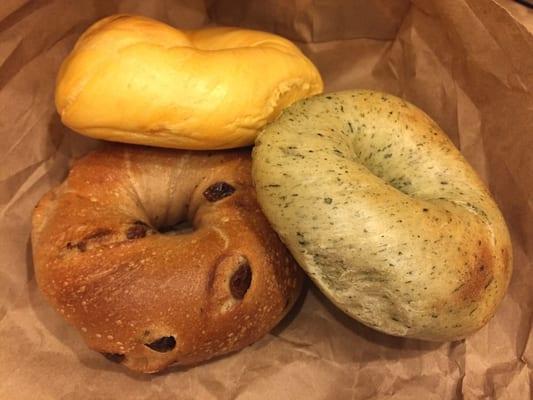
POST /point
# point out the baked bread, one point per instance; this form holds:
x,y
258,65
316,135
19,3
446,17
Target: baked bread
x,y
135,80
384,214
147,298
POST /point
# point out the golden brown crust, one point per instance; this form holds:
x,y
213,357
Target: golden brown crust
x,y
148,299
212,88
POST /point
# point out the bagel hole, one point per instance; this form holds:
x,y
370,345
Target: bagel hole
x,y
178,228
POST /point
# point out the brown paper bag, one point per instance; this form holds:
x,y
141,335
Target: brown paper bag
x,y
468,63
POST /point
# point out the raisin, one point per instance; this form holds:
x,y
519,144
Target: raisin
x,y
162,345
81,246
218,191
240,281
115,357
136,231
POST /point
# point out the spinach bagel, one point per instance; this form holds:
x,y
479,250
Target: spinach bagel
x,y
384,214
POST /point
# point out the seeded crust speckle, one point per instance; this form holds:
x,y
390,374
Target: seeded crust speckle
x,y
147,299
384,214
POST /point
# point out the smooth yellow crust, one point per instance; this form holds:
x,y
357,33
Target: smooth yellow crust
x,y
136,80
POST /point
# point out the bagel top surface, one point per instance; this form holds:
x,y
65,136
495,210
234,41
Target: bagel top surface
x,y
108,258
136,80
384,214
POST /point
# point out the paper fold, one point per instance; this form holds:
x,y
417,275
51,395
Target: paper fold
x,y
467,63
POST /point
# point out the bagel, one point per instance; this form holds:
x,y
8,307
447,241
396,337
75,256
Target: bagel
x,y
384,214
136,80
146,298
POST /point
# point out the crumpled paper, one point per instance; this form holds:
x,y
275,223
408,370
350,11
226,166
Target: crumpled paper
x,y
467,63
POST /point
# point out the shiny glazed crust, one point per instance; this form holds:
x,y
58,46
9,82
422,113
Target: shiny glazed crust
x,y
136,80
384,214
146,298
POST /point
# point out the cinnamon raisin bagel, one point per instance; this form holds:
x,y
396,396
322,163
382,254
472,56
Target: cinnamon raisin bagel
x,y
384,214
109,259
